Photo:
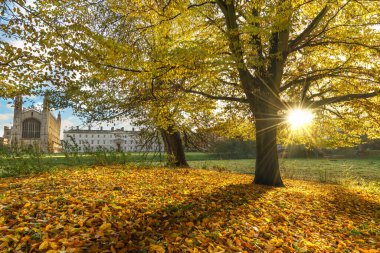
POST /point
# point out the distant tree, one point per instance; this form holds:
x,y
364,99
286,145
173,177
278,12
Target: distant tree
x,y
234,149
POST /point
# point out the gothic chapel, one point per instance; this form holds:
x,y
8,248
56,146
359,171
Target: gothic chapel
x,y
32,127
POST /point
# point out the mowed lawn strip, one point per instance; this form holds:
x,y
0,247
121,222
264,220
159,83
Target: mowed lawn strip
x,y
121,209
324,170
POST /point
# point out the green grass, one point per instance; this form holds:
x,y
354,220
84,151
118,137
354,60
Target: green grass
x,y
60,160
354,173
359,171
313,169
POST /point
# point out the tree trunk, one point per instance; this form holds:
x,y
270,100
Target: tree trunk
x,y
174,148
267,170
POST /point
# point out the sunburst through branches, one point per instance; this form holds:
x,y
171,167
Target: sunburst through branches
x,y
299,119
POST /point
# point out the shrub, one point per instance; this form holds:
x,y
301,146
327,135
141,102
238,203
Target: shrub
x,y
234,149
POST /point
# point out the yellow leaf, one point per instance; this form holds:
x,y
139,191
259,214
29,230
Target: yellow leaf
x,y
105,226
44,245
25,238
105,208
156,248
54,245
114,206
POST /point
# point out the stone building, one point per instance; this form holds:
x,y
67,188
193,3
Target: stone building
x,y
113,139
32,127
4,141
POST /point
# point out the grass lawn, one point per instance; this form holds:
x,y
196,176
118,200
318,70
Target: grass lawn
x,y
126,209
51,160
353,171
323,170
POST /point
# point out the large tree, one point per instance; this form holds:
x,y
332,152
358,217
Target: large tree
x,y
268,55
288,54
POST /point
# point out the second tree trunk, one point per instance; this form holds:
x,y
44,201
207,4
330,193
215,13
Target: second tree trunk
x,y
174,148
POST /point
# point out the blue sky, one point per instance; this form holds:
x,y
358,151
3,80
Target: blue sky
x,y
68,118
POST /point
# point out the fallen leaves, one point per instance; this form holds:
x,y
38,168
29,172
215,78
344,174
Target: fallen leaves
x,y
167,210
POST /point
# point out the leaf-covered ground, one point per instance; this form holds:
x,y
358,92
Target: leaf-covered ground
x,y
169,210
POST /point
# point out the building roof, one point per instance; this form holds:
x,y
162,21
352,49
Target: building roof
x,y
97,131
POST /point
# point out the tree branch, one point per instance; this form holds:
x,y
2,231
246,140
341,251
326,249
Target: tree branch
x,y
235,44
6,63
121,68
303,80
305,89
256,40
200,4
343,98
332,42
301,37
226,98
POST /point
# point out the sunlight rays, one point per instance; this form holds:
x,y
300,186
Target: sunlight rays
x,y
299,118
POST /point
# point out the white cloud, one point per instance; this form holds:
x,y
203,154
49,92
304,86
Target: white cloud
x,y
6,104
31,97
38,105
5,120
67,123
18,43
6,116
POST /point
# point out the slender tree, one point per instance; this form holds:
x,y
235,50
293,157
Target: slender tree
x,y
117,51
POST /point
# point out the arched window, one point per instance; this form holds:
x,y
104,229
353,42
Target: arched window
x,y
31,129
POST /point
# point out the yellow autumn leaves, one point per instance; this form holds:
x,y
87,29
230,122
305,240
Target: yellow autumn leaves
x,y
119,209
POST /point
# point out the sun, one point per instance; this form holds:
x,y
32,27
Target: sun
x,y
299,118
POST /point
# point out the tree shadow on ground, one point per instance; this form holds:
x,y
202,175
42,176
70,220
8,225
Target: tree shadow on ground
x,y
209,214
176,222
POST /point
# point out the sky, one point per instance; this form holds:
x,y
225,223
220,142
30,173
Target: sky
x,y
68,118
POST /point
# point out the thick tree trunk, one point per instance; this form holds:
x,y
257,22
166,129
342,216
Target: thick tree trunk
x,y
174,148
267,170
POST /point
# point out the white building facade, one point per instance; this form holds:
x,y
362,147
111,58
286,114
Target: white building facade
x,y
113,140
